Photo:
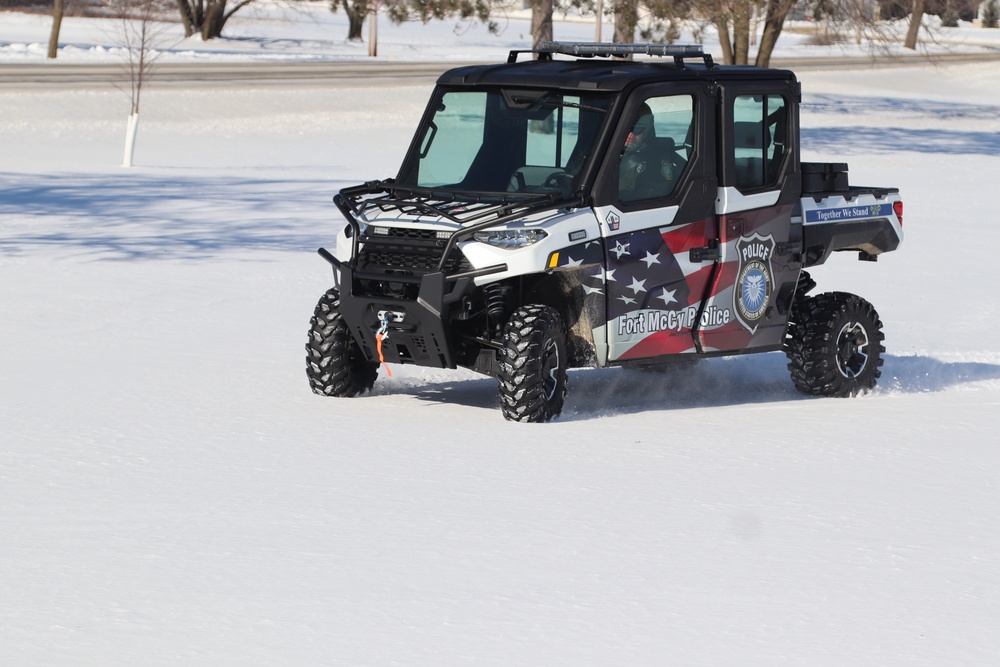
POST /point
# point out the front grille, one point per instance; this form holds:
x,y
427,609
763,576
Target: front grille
x,y
400,260
407,251
410,233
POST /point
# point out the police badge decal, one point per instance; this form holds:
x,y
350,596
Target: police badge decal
x,y
754,280
667,170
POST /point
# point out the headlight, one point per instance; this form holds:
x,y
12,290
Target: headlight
x,y
510,239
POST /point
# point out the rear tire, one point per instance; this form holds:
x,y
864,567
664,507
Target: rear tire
x,y
533,362
834,346
335,365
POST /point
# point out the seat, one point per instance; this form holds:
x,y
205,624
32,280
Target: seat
x,y
750,144
658,168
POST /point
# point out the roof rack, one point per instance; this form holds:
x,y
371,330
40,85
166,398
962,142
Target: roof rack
x,y
604,50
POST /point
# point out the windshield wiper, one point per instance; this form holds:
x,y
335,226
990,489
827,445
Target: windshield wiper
x,y
554,102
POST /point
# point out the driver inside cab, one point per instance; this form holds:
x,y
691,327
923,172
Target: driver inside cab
x,y
645,171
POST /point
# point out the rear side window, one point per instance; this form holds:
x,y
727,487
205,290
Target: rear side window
x,y
760,131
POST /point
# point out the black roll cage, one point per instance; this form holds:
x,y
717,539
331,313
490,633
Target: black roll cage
x,y
478,211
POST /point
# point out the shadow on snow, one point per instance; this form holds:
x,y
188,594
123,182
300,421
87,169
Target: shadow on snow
x,y
854,105
135,216
894,139
732,381
883,139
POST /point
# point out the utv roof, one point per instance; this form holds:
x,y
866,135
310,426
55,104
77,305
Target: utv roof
x,y
601,67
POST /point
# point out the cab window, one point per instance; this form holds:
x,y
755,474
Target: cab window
x,y
657,148
533,141
759,139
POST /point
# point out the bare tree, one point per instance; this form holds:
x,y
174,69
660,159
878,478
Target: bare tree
x,y
485,11
735,44
915,19
207,17
736,22
140,33
356,11
774,22
861,18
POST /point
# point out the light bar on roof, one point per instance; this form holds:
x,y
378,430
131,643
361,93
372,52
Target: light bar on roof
x,y
604,49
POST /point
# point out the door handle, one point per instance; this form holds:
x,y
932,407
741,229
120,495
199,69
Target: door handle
x,y
709,253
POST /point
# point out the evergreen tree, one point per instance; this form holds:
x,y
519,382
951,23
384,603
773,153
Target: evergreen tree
x,y
991,14
949,15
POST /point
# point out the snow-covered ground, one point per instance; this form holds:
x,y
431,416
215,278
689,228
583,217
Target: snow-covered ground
x,y
172,493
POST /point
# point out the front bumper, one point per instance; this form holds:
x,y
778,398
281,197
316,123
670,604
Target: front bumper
x,y
419,330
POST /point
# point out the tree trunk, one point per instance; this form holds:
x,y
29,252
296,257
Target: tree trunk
x,y
915,18
187,17
207,17
57,15
354,25
722,25
741,32
859,21
133,128
215,18
356,13
741,44
626,18
777,12
541,22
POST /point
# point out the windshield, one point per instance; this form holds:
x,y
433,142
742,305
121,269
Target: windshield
x,y
525,141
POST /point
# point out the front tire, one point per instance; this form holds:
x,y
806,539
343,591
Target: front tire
x,y
835,346
335,364
533,361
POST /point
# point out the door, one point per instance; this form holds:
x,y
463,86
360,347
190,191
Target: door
x,y
655,202
757,264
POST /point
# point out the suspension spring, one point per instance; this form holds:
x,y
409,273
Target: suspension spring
x,y
496,301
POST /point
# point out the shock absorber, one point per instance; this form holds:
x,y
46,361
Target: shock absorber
x,y
496,303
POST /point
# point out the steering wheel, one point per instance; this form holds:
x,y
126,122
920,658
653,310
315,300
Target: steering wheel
x,y
559,180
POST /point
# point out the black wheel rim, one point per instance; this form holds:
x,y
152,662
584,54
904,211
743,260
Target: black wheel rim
x,y
852,346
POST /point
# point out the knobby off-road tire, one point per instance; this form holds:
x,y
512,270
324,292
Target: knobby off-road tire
x,y
802,306
335,364
533,361
834,345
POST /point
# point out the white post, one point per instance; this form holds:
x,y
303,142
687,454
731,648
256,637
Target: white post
x,y
373,30
133,127
599,11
